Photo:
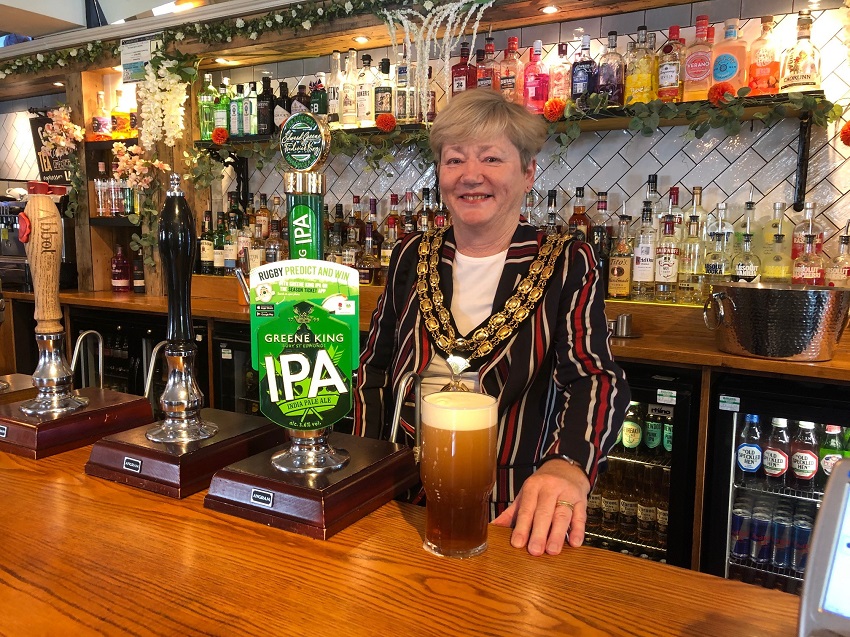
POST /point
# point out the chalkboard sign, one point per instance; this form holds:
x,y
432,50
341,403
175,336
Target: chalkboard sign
x,y
56,171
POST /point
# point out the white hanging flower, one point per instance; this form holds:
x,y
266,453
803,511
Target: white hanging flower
x,y
320,11
253,35
294,13
428,5
73,53
89,46
268,23
240,23
306,24
179,36
278,18
39,57
61,62
229,38
348,7
2,75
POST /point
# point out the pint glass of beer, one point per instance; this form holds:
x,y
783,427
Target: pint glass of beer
x,y
458,467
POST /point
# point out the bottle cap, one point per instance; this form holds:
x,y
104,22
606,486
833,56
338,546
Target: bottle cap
x,y
768,19
175,190
513,43
579,191
385,65
673,32
393,199
612,33
702,19
366,59
537,47
652,179
563,49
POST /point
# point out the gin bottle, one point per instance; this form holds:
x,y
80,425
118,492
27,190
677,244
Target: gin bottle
x,y
464,74
640,77
536,81
771,228
670,73
206,104
807,226
612,70
334,89
552,213
348,98
800,69
560,75
384,99
729,58
512,73
366,94
585,74
236,122
643,266
746,265
698,64
691,269
488,70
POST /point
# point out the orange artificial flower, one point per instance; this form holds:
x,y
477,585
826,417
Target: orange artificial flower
x,y
845,133
220,136
717,93
386,122
554,109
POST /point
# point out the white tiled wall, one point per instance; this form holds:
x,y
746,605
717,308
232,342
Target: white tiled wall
x,y
17,154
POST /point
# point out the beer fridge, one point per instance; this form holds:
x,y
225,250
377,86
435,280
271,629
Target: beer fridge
x,y
643,504
762,493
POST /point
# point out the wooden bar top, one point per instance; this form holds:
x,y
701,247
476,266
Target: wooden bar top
x,y
85,556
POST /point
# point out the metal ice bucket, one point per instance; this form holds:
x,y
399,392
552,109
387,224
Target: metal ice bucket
x,y
777,321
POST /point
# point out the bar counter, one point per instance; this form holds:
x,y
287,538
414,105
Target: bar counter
x,y
84,556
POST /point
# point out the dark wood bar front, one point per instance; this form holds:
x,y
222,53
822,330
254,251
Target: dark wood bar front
x,y
85,556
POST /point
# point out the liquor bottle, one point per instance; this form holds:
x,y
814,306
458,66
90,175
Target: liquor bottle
x,y
430,113
488,70
837,273
748,224
640,77
764,61
351,249
334,89
601,236
221,108
646,509
536,80
667,439
206,104
372,220
729,58
628,501
218,244
800,70
393,213
333,253
809,225
274,247
409,222
651,45
235,120
257,250
612,70
652,196
776,454
804,457
425,218
282,105
387,247
699,211
653,433
698,64
319,98
620,262
139,272
207,245
609,491
667,263
348,109
230,246
579,223
829,452
691,268
244,239
383,91
441,213
464,74
263,214
120,271
301,100
134,117
679,224
777,266
746,266
120,117
101,190
670,75
512,73
748,454
367,263
643,268
366,94
808,267
771,228
265,108
724,229
560,75
585,74
552,226
717,266
633,430
355,220
101,122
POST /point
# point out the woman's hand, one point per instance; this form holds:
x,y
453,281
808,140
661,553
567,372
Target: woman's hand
x,y
539,521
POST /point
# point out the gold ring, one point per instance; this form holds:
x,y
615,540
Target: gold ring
x,y
564,503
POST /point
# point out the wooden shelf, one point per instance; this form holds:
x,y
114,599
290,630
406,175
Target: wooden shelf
x,y
112,222
261,139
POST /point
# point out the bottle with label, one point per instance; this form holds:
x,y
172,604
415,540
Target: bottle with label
x,y
729,58
585,74
265,108
560,75
690,281
800,69
646,510
748,464
748,224
274,247
628,501
670,75
718,266
366,93
218,244
746,266
409,220
698,64
319,98
654,198
387,247
699,211
384,98
236,120
101,191
770,228
355,221
632,430
348,98
837,272
594,508
829,452
764,61
263,215
662,509
334,90
667,438
230,245
464,74
653,434
404,110
488,70
809,225
207,241
620,262
257,249
367,263
579,223
804,457
244,240
351,249
512,73
640,66
536,81
808,267
609,491
643,266
206,103
120,116
372,220
777,451
612,70
778,266
120,271
301,100
100,128
667,263
552,226
221,108
680,225
139,272
724,229
282,105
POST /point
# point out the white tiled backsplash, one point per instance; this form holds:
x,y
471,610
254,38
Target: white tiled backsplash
x,y
616,161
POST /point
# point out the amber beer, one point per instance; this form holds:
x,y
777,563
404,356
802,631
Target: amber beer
x,y
458,467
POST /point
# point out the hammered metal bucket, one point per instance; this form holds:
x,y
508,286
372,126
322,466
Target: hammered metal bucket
x,y
777,321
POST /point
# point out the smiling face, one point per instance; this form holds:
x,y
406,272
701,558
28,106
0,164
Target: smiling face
x,y
483,184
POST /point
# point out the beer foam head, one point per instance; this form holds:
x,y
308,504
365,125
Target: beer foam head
x,y
459,410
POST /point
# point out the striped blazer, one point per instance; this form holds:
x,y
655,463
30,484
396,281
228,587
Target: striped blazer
x,y
560,391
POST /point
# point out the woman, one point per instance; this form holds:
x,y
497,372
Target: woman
x,y
539,344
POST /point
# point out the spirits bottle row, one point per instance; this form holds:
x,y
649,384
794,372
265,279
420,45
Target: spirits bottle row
x,y
113,197
127,275
119,122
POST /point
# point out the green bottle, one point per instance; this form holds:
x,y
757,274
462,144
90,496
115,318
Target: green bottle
x,y
218,245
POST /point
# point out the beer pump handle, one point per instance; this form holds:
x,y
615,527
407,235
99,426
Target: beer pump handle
x,y
44,254
177,246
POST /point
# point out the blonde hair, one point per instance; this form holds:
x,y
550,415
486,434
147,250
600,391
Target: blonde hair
x,y
483,114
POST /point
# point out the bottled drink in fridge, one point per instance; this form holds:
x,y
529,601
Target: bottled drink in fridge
x,y
748,465
594,508
776,454
830,451
610,494
662,508
653,434
633,430
629,500
804,457
647,511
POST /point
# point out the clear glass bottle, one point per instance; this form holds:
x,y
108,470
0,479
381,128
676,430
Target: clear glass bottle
x,y
464,74
837,273
368,264
390,242
777,265
274,248
552,225
351,249
536,80
335,80
257,250
120,117
620,262
384,89
809,225
560,75
748,224
670,75
771,228
643,266
236,120
366,93
404,111
690,282
585,74
409,220
372,220
101,191
355,220
667,262
808,267
349,92
640,78
244,239
746,265
729,58
724,229
698,64
718,267
206,103
612,69
764,61
800,70
676,211
512,73
488,70
101,122
699,211
579,223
